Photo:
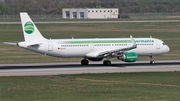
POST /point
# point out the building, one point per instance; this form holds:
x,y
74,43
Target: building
x,y
90,13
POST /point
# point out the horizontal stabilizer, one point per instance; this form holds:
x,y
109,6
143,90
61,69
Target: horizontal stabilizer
x,y
34,44
25,44
10,43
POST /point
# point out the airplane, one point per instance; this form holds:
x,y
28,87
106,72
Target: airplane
x,y
94,49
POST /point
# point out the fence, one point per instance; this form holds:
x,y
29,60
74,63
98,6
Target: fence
x,y
131,15
149,15
155,14
37,16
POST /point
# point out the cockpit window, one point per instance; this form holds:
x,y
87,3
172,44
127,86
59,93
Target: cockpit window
x,y
164,43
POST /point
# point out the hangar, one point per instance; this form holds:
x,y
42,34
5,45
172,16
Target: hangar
x,y
90,13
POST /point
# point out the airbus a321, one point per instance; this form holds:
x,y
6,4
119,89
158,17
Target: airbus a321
x,y
125,49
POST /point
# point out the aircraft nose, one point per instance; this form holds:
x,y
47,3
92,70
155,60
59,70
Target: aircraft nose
x,y
167,49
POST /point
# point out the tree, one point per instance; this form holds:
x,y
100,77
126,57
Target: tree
x,y
4,9
161,8
137,9
60,6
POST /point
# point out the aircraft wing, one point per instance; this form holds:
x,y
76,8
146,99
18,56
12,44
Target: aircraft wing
x,y
112,52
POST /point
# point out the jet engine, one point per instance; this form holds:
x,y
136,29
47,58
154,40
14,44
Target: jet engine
x,y
128,57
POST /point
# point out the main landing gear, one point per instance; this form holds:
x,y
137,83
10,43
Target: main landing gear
x,y
84,62
152,60
107,62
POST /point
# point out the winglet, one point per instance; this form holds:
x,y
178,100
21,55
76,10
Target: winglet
x,y
134,45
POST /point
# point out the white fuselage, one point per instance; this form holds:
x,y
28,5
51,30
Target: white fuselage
x,y
81,47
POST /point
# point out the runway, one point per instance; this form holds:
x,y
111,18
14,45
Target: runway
x,y
94,67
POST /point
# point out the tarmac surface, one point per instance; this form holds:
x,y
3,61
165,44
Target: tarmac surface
x,y
94,67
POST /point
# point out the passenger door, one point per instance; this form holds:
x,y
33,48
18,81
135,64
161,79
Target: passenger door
x,y
50,46
157,44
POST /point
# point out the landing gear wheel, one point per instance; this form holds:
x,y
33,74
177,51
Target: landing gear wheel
x,y
152,62
84,62
107,63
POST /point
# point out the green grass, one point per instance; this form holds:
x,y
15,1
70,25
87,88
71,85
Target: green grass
x,y
93,87
168,32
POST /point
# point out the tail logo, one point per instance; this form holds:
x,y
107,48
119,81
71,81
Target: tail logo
x,y
29,27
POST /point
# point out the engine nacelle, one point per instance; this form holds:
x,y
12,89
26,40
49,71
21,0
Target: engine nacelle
x,y
128,57
95,59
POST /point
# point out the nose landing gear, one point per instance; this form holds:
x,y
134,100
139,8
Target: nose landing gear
x,y
152,60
